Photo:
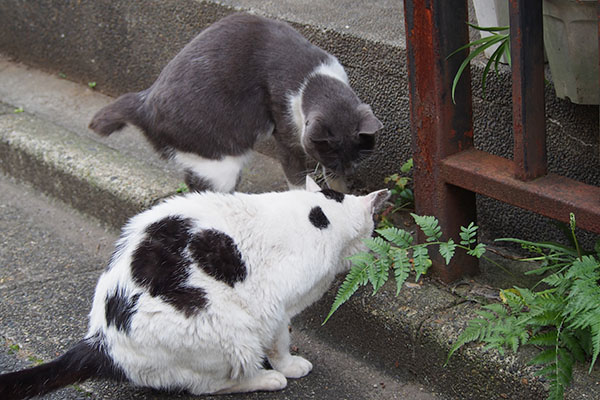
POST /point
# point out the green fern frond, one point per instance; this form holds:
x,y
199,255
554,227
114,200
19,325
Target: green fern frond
x,y
545,339
378,274
476,330
421,260
378,245
478,251
447,250
468,235
572,344
356,277
362,259
429,226
399,237
401,266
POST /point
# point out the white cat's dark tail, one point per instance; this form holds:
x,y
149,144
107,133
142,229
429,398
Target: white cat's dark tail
x,y
82,362
117,114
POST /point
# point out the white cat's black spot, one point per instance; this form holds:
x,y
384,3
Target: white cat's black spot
x,y
318,218
119,308
159,265
333,195
217,255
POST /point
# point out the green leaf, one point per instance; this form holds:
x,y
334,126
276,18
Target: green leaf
x,y
421,260
468,235
401,266
399,237
544,357
378,245
361,259
545,339
379,273
476,330
356,277
429,226
447,250
543,245
483,44
489,28
478,251
407,166
572,343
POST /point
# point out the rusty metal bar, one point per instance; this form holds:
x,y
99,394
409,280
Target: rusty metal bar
x,y
527,56
552,195
435,28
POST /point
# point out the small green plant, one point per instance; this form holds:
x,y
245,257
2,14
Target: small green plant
x,y
394,250
182,188
18,110
35,360
497,37
563,319
401,194
92,85
13,348
62,75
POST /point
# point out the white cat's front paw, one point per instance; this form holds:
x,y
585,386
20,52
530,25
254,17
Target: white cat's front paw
x,y
271,381
295,367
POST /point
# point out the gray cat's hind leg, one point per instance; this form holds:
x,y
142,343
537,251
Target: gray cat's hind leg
x,y
221,175
280,358
197,183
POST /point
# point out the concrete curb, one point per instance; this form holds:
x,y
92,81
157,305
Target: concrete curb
x,y
89,176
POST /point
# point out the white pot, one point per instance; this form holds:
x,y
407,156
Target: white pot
x,y
571,41
491,13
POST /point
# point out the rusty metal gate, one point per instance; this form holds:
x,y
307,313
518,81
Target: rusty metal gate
x,y
448,170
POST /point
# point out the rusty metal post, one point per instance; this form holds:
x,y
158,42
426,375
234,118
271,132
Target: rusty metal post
x,y
527,56
435,28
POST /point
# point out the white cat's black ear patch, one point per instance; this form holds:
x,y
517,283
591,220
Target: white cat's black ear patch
x,y
333,195
160,266
318,218
217,254
119,308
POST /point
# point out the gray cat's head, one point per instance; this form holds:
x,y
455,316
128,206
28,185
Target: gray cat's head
x,y
339,129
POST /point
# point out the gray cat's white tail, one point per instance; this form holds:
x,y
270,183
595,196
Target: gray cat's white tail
x,y
117,114
82,362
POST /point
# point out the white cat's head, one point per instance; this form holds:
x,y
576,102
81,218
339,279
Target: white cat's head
x,y
348,217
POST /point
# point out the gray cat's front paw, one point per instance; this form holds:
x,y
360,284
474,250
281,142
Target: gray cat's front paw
x,y
295,367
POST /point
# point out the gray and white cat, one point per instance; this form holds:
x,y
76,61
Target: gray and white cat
x,y
243,78
202,287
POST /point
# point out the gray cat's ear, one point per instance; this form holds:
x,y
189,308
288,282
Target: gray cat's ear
x,y
376,199
369,124
311,185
